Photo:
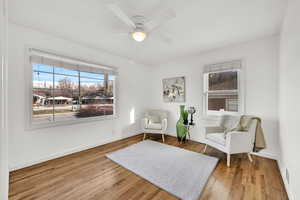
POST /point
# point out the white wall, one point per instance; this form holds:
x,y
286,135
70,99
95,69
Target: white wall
x,y
260,70
138,91
3,118
289,86
27,147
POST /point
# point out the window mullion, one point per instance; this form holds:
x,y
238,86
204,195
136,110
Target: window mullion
x,y
79,91
222,91
53,98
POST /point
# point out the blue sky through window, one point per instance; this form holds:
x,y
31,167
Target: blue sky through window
x,y
91,75
59,70
41,67
44,73
41,76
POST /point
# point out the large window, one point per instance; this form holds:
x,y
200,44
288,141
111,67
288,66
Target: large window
x,y
67,90
222,92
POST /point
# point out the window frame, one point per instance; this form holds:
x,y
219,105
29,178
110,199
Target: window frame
x,y
239,91
30,125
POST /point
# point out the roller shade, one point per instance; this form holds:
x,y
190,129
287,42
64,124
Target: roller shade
x,y
226,66
50,59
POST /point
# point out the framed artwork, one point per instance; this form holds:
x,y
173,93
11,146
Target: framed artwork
x,y
174,89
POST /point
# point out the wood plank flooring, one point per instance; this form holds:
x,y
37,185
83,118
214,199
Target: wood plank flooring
x,y
89,175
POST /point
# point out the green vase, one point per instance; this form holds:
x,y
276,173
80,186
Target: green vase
x,y
181,129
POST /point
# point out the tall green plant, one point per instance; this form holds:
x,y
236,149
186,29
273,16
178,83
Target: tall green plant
x,y
185,115
181,129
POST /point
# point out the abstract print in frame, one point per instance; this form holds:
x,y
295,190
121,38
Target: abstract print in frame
x,y
174,89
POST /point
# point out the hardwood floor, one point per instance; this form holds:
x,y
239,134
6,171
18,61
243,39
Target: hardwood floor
x,y
89,175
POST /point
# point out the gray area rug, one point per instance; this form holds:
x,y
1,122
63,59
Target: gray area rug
x,y
180,172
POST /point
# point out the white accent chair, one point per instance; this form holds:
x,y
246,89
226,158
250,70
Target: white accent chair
x,y
231,142
155,122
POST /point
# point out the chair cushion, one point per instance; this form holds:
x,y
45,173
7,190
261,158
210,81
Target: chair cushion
x,y
162,114
217,137
229,122
154,119
155,126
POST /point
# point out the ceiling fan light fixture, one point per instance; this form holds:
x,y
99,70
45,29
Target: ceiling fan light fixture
x,y
139,36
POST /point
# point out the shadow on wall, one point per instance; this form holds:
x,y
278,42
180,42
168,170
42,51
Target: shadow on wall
x,y
271,136
172,120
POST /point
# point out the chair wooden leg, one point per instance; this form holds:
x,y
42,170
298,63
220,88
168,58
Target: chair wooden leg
x,y
228,160
250,158
163,137
144,136
204,150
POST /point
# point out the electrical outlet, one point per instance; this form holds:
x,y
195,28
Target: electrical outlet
x,y
287,175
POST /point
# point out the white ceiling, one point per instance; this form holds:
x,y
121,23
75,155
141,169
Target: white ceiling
x,y
199,25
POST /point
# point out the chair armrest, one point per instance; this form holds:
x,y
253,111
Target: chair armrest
x,y
238,134
214,129
239,141
144,123
164,124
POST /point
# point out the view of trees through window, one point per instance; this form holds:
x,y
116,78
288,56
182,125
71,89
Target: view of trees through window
x,y
64,94
222,91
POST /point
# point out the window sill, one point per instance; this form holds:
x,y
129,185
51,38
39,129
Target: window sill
x,y
33,126
220,113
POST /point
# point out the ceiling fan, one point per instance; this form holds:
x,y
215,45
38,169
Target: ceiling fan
x,y
140,25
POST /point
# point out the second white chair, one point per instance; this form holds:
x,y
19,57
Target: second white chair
x,y
156,122
231,142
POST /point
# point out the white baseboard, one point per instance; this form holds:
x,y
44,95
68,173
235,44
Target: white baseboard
x,y
67,152
265,155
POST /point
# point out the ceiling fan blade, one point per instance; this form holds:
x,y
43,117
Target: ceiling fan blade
x,y
160,19
121,14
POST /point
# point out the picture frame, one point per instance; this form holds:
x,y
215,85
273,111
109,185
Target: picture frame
x,y
174,89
